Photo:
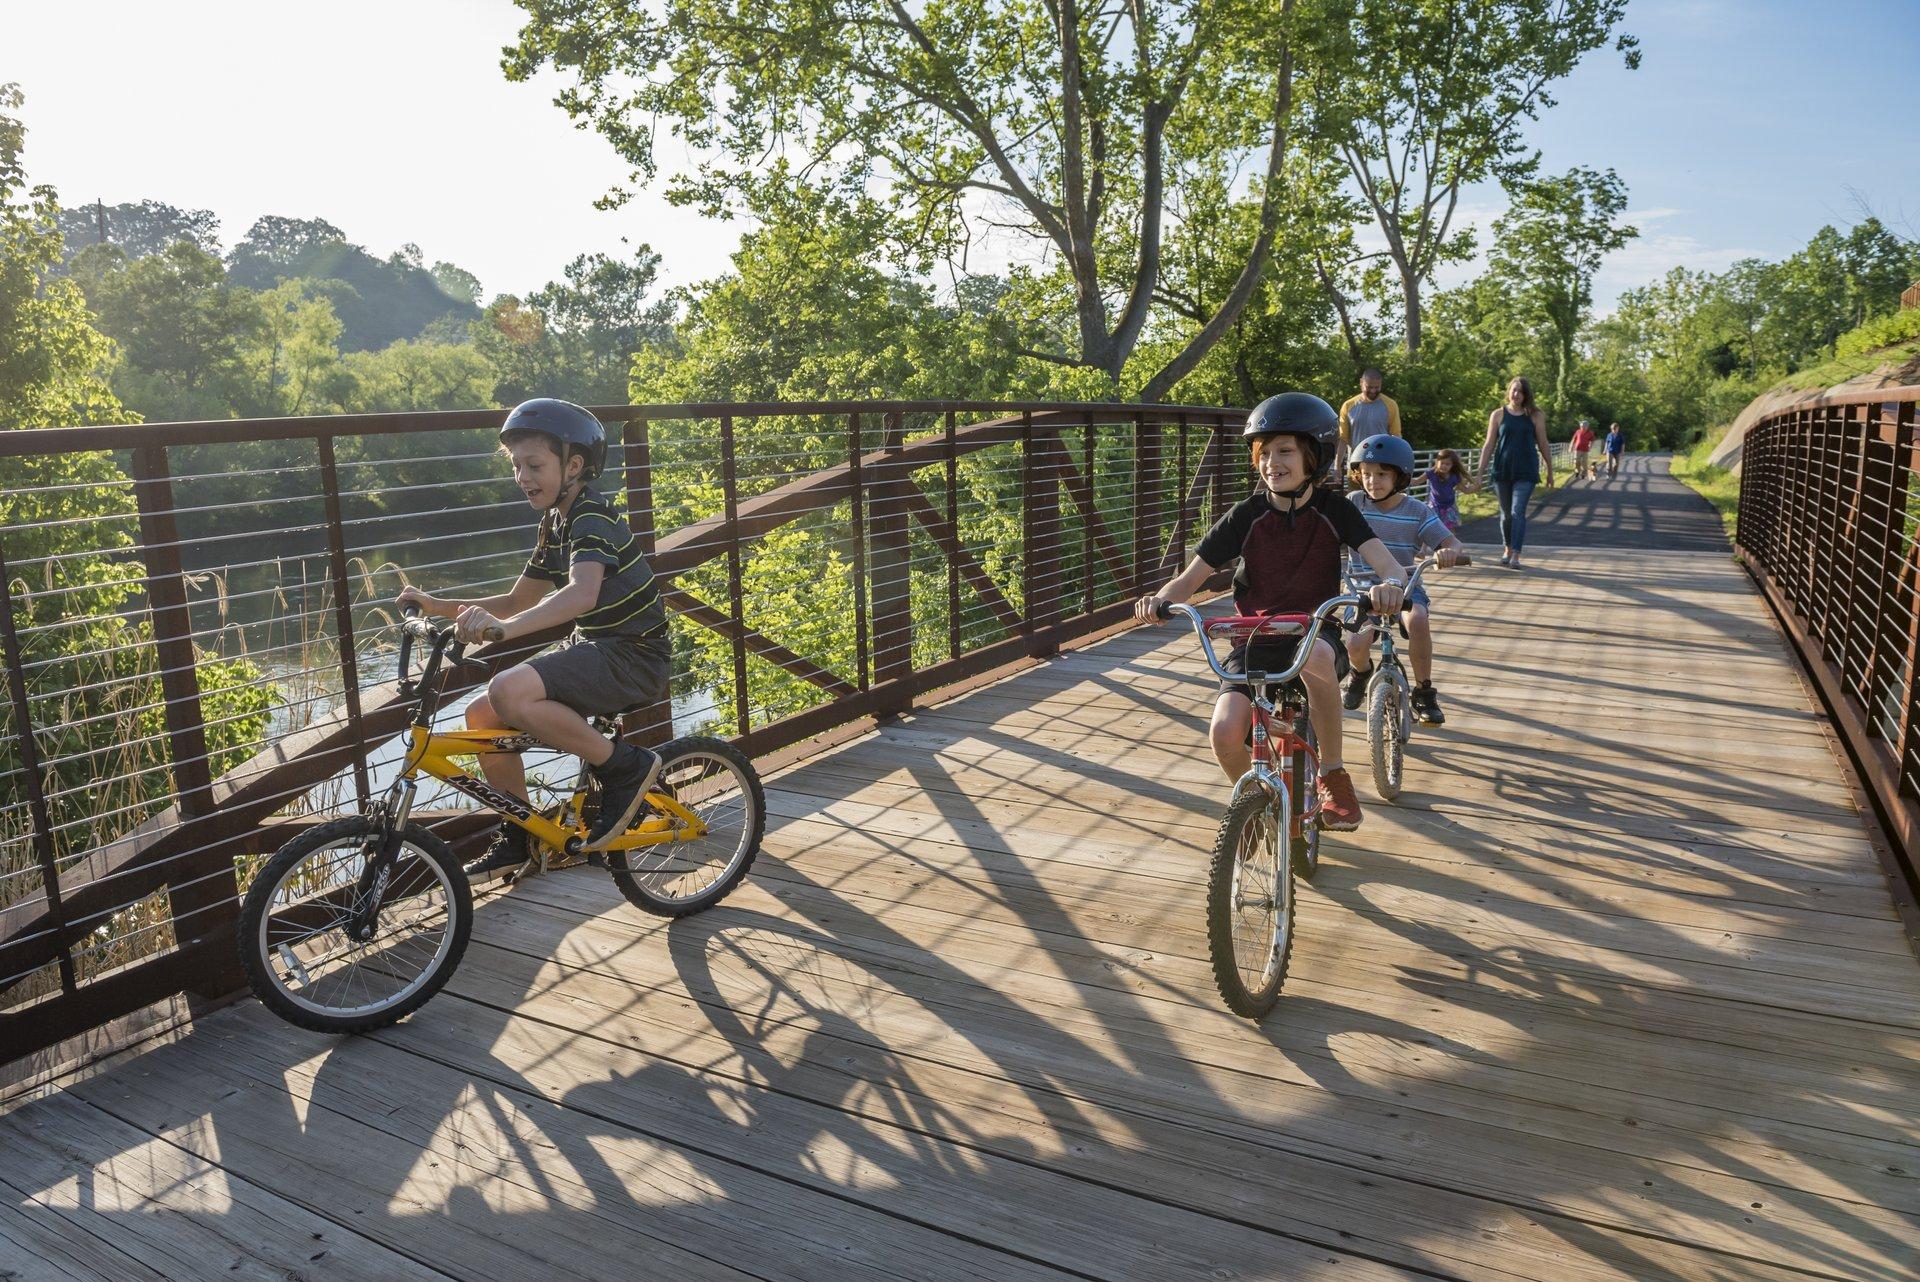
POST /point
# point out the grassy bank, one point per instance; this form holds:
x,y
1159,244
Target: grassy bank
x,y
1716,485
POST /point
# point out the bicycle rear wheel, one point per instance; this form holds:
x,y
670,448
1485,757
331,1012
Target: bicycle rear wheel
x,y
1250,904
1386,736
715,781
294,933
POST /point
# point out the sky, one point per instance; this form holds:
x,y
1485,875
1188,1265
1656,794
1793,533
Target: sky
x,y
1749,124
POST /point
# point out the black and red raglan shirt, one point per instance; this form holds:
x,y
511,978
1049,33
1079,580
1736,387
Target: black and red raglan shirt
x,y
1289,562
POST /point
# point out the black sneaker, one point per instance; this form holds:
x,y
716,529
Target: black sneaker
x,y
508,852
624,780
1356,691
1426,706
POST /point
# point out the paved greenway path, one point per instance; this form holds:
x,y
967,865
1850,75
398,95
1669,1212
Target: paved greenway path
x,y
1643,507
1615,992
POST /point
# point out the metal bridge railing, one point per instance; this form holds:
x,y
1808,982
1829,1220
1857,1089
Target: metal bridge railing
x,y
193,618
1829,503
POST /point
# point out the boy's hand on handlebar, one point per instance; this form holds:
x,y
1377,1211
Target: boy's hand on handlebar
x,y
474,624
1447,558
1147,608
1386,597
415,597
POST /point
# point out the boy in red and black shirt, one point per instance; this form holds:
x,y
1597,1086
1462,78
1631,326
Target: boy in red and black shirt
x,y
1287,537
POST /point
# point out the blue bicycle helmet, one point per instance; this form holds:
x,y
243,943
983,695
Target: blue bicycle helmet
x,y
1388,451
570,426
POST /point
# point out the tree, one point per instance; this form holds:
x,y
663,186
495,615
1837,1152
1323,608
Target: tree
x,y
599,316
1421,98
184,332
1067,124
275,241
457,283
138,230
1547,247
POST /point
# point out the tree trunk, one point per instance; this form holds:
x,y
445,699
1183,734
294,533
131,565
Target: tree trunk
x,y
1410,291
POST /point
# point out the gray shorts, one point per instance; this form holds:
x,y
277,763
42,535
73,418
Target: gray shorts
x,y
597,678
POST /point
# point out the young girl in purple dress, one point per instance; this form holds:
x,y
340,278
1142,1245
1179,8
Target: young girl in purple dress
x,y
1445,479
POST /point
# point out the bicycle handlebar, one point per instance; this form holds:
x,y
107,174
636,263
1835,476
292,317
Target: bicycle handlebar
x,y
415,627
1167,609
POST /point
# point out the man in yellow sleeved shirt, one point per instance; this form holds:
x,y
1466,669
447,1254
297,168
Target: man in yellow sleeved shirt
x,y
1368,414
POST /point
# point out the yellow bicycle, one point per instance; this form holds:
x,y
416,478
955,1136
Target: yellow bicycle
x,y
355,923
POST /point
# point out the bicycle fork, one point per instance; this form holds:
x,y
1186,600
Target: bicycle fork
x,y
381,850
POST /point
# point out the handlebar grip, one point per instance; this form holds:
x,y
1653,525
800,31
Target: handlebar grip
x,y
493,633
411,610
1163,610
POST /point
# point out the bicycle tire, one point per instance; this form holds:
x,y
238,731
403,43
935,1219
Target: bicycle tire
x,y
258,955
1384,743
1251,817
1306,851
641,883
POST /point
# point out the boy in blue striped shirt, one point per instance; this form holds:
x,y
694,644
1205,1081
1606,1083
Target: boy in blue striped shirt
x,y
1409,528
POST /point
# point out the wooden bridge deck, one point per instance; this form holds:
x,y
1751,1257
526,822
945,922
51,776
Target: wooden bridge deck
x,y
1616,991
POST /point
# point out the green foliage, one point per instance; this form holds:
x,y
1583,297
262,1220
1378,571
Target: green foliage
x,y
1876,335
1081,126
1717,485
136,230
1419,99
88,659
378,301
575,337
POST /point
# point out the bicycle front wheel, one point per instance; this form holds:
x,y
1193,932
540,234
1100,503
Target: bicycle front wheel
x,y
1386,739
298,945
1250,904
716,782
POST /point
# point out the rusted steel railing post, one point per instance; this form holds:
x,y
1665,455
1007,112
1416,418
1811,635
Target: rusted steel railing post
x,y
203,889
343,614
1087,518
653,724
1039,537
952,461
1182,519
34,786
730,491
892,584
857,492
1149,490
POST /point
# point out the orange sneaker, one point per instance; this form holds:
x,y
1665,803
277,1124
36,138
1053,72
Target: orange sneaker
x,y
1339,808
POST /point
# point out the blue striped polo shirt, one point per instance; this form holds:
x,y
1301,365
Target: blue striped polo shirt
x,y
1409,529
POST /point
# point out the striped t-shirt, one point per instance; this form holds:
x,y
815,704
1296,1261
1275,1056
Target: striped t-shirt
x,y
629,605
1409,529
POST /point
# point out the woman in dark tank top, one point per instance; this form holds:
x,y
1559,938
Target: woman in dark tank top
x,y
1514,452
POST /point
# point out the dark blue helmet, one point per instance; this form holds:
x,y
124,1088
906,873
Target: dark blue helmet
x,y
571,427
1388,451
1299,414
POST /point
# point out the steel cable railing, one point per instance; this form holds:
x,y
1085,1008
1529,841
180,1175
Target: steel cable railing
x,y
1829,505
198,661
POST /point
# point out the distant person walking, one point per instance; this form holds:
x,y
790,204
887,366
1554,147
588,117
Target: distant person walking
x,y
1616,446
1583,439
1514,451
1368,414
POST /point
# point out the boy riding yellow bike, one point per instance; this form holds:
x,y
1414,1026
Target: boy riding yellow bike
x,y
618,656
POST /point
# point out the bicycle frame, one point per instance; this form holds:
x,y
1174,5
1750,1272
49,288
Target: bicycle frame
x,y
433,754
1291,746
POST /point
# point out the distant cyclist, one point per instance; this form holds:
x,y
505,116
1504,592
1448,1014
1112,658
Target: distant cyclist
x,y
1287,537
618,656
1410,529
